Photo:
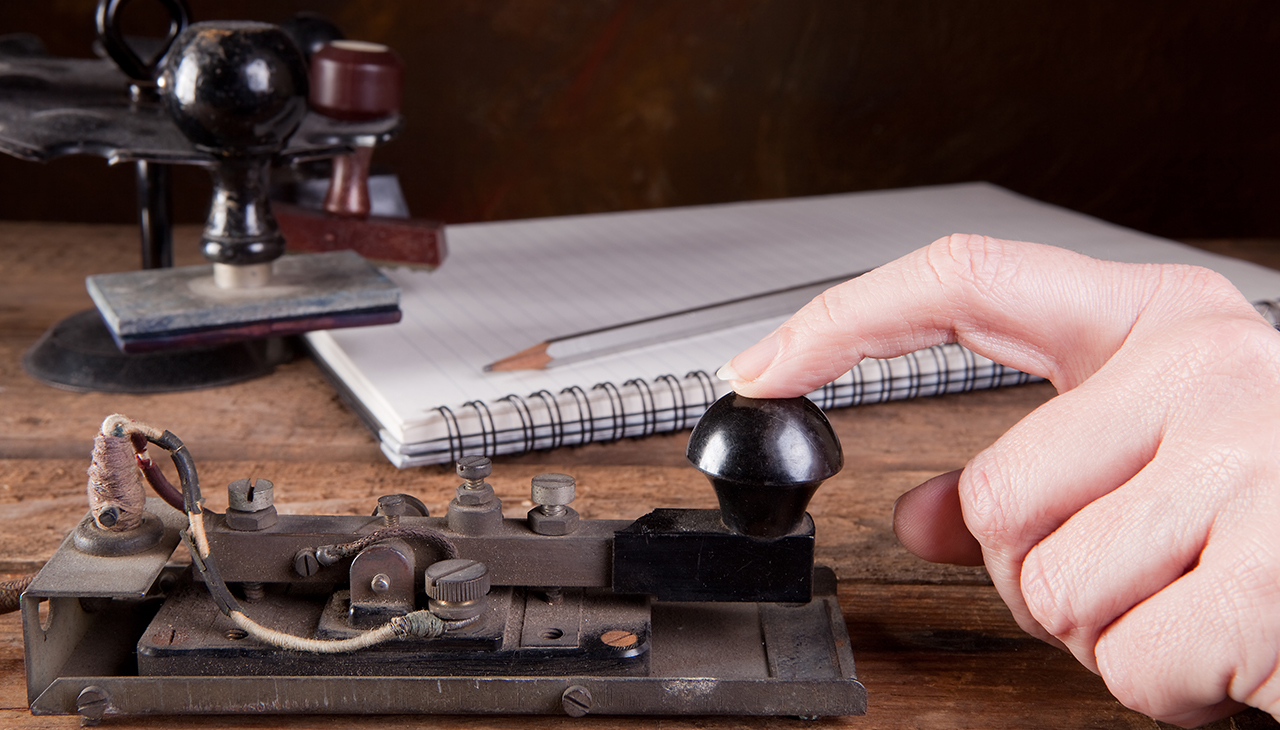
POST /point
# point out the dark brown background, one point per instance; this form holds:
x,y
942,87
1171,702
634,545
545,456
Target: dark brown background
x,y
1157,115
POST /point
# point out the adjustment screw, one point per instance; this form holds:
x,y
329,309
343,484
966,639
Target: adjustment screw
x,y
552,491
576,701
457,580
474,468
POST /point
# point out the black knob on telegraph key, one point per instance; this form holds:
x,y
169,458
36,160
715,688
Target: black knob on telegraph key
x,y
765,458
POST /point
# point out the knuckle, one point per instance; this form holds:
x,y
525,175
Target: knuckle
x,y
982,501
1123,672
1231,357
1046,592
981,262
825,306
1199,286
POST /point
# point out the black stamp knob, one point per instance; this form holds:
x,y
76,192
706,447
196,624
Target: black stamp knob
x,y
765,458
235,87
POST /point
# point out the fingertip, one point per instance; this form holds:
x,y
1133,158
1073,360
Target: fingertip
x,y
752,362
727,373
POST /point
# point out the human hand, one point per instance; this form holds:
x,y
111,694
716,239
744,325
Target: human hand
x,y
1133,519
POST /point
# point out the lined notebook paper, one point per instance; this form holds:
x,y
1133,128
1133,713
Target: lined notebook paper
x,y
509,285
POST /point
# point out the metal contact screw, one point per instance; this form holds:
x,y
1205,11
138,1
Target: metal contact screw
x,y
552,492
474,470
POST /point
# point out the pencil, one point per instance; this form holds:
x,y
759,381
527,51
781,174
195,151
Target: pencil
x,y
664,327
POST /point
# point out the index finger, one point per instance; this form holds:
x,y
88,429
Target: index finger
x,y
1040,309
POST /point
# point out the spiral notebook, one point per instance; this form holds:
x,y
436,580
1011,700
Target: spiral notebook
x,y
421,384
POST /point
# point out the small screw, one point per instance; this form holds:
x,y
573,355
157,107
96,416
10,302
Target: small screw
x,y
305,563
92,704
619,638
109,517
380,583
576,701
391,506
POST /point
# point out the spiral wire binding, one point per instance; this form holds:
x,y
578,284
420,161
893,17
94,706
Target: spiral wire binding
x,y
482,410
682,401
526,419
648,407
970,369
680,411
556,421
587,427
616,408
940,362
913,375
451,427
708,390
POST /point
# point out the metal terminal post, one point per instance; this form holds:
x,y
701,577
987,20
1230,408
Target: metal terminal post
x,y
552,494
251,505
476,510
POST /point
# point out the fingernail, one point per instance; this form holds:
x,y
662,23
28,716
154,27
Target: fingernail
x,y
751,362
726,372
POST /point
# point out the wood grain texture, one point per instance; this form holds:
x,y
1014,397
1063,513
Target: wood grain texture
x,y
935,645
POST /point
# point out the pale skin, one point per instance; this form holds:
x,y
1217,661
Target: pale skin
x,y
1134,519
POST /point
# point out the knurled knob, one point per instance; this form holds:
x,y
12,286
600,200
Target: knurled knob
x,y
457,581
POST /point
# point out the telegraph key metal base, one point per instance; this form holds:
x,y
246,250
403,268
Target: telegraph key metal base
x,y
137,637
680,612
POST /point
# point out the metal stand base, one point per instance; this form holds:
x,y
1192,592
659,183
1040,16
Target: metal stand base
x,y
78,354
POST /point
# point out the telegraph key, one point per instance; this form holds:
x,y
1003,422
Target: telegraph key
x,y
680,612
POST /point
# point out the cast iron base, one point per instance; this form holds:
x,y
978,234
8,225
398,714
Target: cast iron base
x,y
78,354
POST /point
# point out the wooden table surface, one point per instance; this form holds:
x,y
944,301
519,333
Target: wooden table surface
x,y
935,646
